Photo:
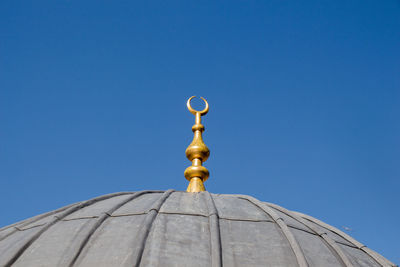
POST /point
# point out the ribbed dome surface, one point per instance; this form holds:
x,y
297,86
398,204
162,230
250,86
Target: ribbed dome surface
x,y
156,228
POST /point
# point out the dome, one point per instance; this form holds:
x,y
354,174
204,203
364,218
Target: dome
x,y
174,228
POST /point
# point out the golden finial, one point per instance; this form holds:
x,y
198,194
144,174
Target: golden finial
x,y
197,152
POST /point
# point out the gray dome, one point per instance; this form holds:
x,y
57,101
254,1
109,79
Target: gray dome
x,y
156,228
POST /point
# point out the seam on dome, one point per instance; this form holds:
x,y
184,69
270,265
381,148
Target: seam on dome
x,y
303,230
80,218
20,225
100,220
55,219
191,214
298,253
175,213
311,233
245,220
28,228
377,257
347,245
184,213
129,214
194,214
329,241
148,223
332,229
28,221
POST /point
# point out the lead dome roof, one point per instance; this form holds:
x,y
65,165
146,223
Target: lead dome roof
x,y
157,228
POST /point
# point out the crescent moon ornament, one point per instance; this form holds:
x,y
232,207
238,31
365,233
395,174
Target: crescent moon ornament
x,y
193,111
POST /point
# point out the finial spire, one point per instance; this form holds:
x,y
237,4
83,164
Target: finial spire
x,y
197,152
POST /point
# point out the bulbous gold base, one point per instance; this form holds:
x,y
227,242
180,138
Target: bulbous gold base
x,y
195,185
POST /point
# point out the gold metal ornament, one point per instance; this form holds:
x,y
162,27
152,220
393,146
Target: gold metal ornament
x,y
197,152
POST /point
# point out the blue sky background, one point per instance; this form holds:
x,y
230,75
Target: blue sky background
x,y
304,104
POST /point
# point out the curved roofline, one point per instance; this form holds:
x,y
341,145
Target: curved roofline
x,y
271,210
373,254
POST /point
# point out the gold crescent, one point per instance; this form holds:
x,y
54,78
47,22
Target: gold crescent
x,y
193,111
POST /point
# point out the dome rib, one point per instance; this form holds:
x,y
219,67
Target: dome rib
x,y
338,251
147,224
301,260
55,219
378,258
100,220
215,234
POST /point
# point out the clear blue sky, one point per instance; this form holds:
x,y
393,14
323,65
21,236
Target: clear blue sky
x,y
304,96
